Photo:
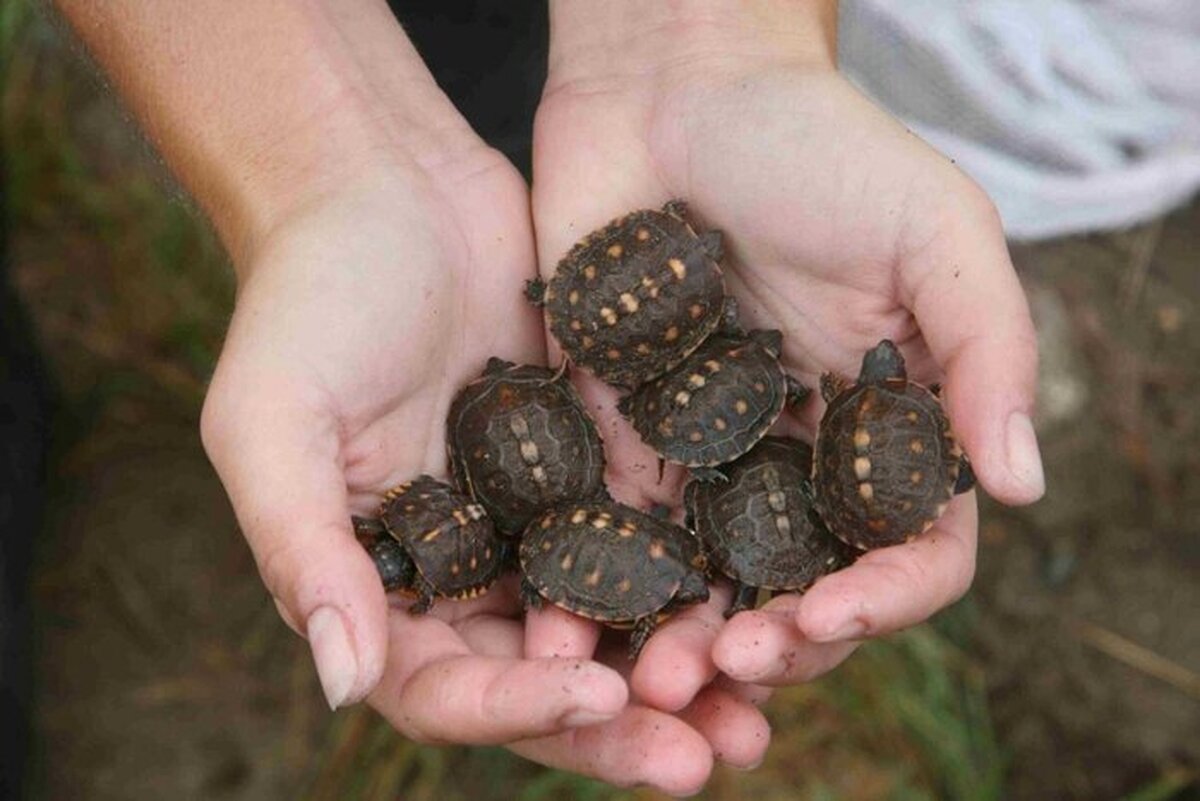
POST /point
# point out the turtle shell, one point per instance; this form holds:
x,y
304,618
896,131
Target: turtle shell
x,y
609,562
887,462
632,299
450,540
520,441
714,406
759,528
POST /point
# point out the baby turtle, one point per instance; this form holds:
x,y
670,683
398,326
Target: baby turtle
x,y
886,460
760,529
611,563
431,541
717,404
520,441
632,299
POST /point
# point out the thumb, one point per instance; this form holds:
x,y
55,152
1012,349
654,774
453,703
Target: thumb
x,y
961,286
278,460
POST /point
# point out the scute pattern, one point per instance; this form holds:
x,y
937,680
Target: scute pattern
x,y
520,441
714,406
759,528
634,298
450,539
894,439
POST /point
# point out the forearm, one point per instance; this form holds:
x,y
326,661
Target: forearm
x,y
589,38
259,106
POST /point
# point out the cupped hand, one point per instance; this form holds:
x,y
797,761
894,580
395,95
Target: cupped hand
x,y
841,228
358,318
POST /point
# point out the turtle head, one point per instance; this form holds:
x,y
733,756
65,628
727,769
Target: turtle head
x,y
882,363
693,589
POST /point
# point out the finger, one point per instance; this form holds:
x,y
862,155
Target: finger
x,y
892,588
961,286
736,730
278,461
436,690
554,632
641,746
766,647
677,660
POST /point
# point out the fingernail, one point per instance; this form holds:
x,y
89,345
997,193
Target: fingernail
x,y
333,652
585,717
1024,459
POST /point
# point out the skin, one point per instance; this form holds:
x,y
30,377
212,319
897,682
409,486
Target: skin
x,y
381,250
842,228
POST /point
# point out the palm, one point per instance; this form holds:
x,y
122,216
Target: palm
x,y
839,225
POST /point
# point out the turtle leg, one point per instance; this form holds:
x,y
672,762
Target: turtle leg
x,y
425,593
530,597
832,385
675,208
797,393
729,317
642,630
712,244
966,476
535,291
709,475
936,389
744,597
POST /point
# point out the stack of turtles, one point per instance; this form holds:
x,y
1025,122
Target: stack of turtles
x,y
641,304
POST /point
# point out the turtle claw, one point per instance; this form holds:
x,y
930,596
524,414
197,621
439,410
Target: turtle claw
x,y
642,630
797,393
744,597
530,597
709,475
424,597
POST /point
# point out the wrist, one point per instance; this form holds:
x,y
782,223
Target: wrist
x,y
597,41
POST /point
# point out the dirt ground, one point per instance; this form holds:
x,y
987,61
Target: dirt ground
x,y
163,671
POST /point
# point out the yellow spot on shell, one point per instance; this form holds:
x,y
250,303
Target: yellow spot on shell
x,y
593,578
878,524
741,407
678,268
643,348
657,549
682,398
720,424
601,521
629,302
455,569
862,438
474,563
567,561
916,446
627,530
642,234
695,381
713,366
672,334
866,491
431,535
609,315
915,477
912,417
624,586
576,325
696,436
589,272
587,342
573,297
613,354
615,250
862,468
579,516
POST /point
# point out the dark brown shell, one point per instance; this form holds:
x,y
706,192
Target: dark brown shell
x,y
886,463
450,540
759,528
520,441
608,562
634,298
714,406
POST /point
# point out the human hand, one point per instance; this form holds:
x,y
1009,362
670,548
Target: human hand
x,y
841,228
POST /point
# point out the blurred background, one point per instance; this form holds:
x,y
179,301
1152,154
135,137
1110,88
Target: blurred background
x,y
161,670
